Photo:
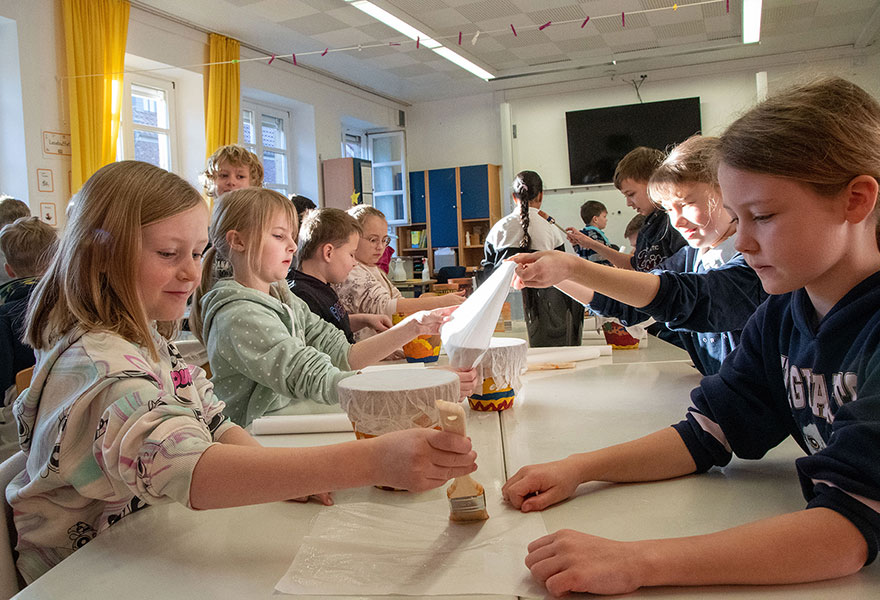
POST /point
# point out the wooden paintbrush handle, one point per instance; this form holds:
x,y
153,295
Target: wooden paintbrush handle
x,y
452,417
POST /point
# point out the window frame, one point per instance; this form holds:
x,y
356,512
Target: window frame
x,y
127,126
371,136
277,112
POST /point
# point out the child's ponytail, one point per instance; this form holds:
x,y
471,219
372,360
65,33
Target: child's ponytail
x,y
527,186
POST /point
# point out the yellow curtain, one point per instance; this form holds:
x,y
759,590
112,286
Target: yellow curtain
x,y
94,32
223,93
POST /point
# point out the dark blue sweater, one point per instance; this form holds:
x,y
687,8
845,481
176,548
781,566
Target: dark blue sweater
x,y
706,307
817,383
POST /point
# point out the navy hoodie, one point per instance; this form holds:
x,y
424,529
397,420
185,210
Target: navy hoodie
x,y
819,383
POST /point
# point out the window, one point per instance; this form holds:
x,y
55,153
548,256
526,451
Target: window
x,y
264,131
353,144
388,152
146,129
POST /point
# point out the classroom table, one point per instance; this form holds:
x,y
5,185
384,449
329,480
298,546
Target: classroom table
x,y
169,551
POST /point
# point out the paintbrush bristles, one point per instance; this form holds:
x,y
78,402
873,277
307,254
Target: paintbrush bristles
x,y
467,498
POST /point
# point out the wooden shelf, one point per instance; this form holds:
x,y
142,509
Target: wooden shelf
x,y
413,249
472,247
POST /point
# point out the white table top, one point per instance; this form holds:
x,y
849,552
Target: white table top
x,y
169,551
618,402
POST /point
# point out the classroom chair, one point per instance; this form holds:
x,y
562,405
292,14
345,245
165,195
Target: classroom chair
x,y
10,580
23,379
447,273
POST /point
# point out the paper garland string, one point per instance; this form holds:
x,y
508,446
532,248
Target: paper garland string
x,y
271,58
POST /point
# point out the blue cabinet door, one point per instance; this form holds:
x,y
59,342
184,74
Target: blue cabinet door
x,y
474,192
443,198
417,197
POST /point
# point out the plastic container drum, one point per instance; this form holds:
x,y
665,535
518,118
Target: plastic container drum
x,y
395,399
424,349
503,363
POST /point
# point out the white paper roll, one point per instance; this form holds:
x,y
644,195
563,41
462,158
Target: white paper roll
x,y
563,354
281,424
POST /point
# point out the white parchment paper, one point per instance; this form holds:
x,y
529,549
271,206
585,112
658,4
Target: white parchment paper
x,y
375,549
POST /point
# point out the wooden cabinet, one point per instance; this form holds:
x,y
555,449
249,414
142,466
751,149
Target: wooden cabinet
x,y
453,205
344,177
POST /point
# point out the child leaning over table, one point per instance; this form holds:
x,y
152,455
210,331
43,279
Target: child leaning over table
x,y
114,420
328,241
265,346
803,165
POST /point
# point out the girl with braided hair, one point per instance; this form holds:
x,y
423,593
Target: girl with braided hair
x,y
552,318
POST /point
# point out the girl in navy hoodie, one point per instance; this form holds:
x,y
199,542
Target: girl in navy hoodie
x,y
801,173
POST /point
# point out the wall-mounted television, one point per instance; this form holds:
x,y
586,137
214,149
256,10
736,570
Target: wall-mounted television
x,y
598,138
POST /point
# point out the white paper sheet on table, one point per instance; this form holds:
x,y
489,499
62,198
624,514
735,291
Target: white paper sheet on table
x,y
367,549
281,424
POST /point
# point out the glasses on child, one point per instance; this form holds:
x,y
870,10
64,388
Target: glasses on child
x,y
377,241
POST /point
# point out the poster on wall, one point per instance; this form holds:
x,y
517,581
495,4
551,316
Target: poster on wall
x,y
47,213
45,180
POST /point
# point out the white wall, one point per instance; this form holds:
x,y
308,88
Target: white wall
x,y
38,27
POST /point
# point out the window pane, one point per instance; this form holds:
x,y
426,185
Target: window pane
x,y
387,179
391,205
149,106
273,132
153,148
277,188
387,149
247,127
274,168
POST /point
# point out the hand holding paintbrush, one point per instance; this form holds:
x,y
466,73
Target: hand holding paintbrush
x,y
467,498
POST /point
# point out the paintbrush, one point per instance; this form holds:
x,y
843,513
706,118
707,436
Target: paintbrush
x,y
467,498
552,221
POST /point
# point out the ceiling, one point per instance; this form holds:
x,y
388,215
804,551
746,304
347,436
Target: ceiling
x,y
364,52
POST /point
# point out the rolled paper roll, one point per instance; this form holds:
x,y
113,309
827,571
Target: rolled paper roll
x,y
282,424
563,355
394,399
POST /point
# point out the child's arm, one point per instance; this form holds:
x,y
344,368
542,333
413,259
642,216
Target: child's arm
x,y
424,302
415,459
808,545
377,322
616,258
237,436
375,348
543,269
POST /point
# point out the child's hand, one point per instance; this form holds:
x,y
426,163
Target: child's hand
x,y
577,238
542,269
324,498
377,322
570,561
468,380
536,487
427,322
422,459
451,299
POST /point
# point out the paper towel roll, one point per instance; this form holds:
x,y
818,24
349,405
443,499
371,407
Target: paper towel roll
x,y
281,424
563,354
604,350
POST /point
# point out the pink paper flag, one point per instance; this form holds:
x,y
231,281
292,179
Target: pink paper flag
x,y
418,40
513,30
293,56
271,59
325,51
584,24
459,38
544,26
623,19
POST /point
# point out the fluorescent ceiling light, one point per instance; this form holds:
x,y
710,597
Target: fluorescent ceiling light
x,y
464,63
751,21
403,27
414,34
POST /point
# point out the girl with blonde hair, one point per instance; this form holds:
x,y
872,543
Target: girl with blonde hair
x,y
114,420
802,166
367,288
264,344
